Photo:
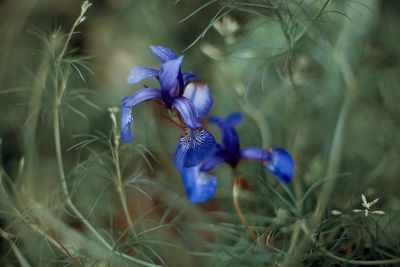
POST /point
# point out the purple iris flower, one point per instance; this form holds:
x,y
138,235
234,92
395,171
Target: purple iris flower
x,y
182,92
200,185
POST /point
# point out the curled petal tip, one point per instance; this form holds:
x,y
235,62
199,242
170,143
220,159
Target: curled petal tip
x,y
164,54
126,120
141,73
199,186
281,164
193,148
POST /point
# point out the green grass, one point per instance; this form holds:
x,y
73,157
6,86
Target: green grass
x,y
319,78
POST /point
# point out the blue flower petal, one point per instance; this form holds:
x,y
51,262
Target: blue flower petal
x,y
234,118
193,147
141,73
200,96
169,72
140,96
126,120
164,54
230,138
189,77
126,111
213,160
199,186
281,164
255,153
215,120
187,112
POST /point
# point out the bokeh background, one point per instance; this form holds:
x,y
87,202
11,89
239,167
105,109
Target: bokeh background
x,y
319,78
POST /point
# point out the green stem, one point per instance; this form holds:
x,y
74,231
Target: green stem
x,y
118,182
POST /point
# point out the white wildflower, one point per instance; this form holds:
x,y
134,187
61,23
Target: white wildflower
x,y
367,207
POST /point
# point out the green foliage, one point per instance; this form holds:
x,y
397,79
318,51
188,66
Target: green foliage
x,y
319,78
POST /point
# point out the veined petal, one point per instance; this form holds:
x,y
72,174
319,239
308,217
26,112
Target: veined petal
x,y
126,120
255,153
199,186
213,160
193,147
187,112
140,96
199,94
189,77
281,164
141,73
169,72
164,54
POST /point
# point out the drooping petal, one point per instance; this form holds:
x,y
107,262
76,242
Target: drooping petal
x,y
199,186
213,160
193,147
281,164
187,112
140,96
141,73
126,120
189,77
169,72
255,153
199,94
164,54
127,103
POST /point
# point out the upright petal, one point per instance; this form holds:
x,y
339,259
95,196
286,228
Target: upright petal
x,y
199,93
255,153
141,73
281,164
199,186
231,142
187,112
164,54
230,138
140,96
169,73
193,147
126,120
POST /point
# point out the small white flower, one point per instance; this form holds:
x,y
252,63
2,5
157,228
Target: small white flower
x,y
367,207
336,212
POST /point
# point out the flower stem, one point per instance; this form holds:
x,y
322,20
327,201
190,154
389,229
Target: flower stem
x,y
236,204
117,178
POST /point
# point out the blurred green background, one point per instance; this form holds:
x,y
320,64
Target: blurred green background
x,y
319,78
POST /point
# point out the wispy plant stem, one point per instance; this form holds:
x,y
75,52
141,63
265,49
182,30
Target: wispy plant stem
x,y
117,177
